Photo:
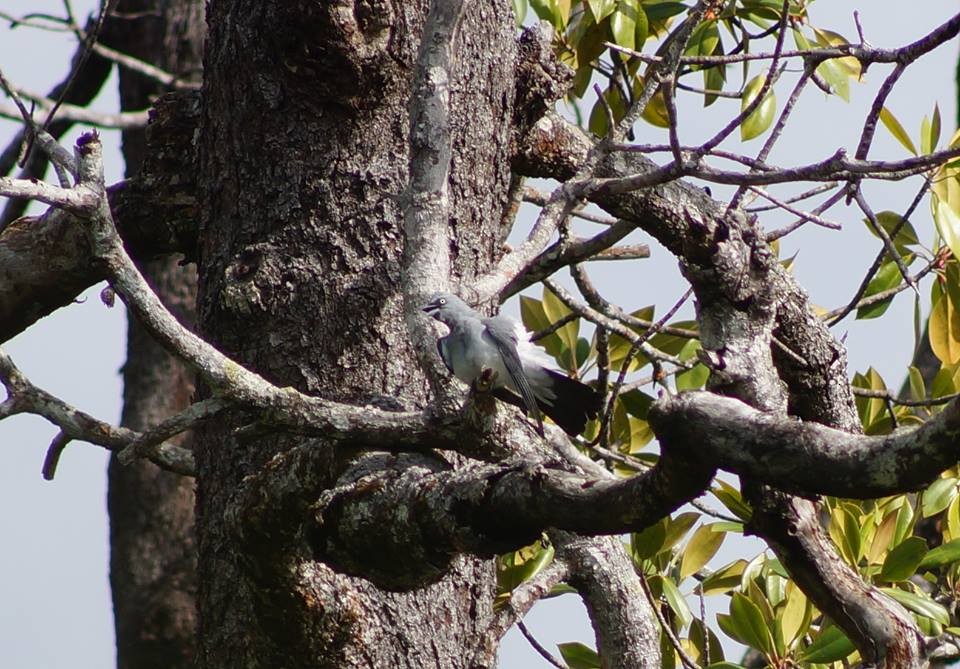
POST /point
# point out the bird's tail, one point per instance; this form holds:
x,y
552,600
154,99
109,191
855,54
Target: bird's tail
x,y
572,402
568,402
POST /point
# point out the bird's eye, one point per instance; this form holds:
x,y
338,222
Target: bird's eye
x,y
442,301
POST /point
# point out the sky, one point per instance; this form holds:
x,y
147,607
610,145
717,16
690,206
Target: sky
x,y
55,608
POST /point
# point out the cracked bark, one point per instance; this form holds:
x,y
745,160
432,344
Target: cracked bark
x,y
300,281
152,546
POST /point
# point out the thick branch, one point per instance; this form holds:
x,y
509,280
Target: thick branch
x,y
808,458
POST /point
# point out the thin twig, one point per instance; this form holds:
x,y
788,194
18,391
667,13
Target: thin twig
x,y
544,653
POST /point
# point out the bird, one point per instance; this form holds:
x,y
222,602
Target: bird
x,y
498,349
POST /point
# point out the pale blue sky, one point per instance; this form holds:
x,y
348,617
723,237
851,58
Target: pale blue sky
x,y
55,609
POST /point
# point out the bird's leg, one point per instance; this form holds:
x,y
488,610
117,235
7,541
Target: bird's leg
x,y
485,382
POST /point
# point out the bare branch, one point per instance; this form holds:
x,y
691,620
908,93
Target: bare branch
x,y
24,397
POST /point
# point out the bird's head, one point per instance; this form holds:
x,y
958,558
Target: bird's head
x,y
446,307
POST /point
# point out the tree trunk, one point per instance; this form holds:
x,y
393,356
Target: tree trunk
x,y
152,547
303,159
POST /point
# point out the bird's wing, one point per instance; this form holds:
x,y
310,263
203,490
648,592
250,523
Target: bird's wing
x,y
502,332
442,350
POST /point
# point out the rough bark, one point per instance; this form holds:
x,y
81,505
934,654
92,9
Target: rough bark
x,y
304,153
152,547
46,261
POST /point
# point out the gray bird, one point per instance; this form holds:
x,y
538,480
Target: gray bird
x,y
518,370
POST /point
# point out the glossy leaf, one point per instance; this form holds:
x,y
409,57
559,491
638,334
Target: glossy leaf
x,y
837,71
724,579
902,561
890,220
947,220
655,113
731,498
887,277
919,604
918,390
714,79
938,496
891,123
762,116
794,617
700,637
942,555
579,656
601,9
649,542
519,11
556,310
703,545
831,645
678,604
623,23
747,624
944,327
882,538
534,320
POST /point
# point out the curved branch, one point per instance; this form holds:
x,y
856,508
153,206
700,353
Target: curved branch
x,y
808,458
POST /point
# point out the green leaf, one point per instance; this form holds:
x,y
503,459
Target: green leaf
x,y
724,579
643,28
556,310
655,113
887,277
902,561
944,328
947,219
678,526
578,656
731,498
938,496
637,403
549,10
676,600
519,11
918,390
660,11
896,129
919,604
714,78
905,522
702,638
703,545
942,555
649,542
599,124
601,9
889,220
703,40
623,23
794,617
748,621
935,127
516,567
882,537
930,131
762,116
832,645
693,378
837,71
